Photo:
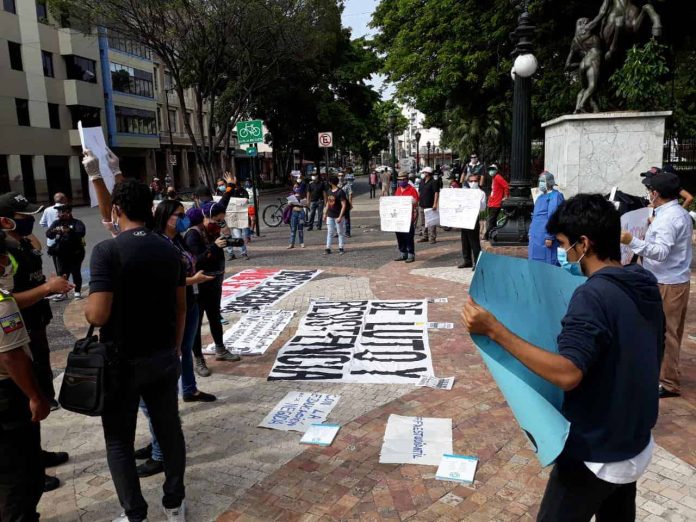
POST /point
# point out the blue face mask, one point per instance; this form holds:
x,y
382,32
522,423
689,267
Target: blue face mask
x,y
221,188
572,268
542,186
182,224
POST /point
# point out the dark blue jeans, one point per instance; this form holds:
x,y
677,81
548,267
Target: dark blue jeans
x,y
405,240
315,208
153,378
297,225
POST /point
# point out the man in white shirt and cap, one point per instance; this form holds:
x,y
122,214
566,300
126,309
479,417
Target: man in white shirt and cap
x,y
667,253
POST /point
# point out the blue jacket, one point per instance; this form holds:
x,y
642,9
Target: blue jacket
x,y
614,333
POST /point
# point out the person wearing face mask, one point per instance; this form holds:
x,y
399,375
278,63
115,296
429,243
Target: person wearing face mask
x,y
157,189
500,191
205,243
317,197
429,195
334,212
374,180
50,214
471,239
473,167
607,364
406,240
30,287
297,216
667,253
235,191
68,235
543,246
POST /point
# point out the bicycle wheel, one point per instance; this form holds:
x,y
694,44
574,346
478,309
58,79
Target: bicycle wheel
x,y
272,216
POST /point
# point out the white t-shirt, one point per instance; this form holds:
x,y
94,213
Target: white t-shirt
x,y
625,471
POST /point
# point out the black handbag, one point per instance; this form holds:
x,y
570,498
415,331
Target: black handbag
x,y
89,376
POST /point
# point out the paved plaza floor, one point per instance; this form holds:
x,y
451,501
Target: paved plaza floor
x,y
237,471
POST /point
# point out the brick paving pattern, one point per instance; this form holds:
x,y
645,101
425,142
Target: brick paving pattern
x,y
237,471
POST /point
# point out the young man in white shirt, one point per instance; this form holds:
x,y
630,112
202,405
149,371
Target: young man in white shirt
x,y
667,253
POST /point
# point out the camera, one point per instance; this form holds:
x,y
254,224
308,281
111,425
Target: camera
x,y
233,241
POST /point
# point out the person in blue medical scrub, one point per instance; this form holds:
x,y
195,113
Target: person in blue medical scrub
x,y
542,245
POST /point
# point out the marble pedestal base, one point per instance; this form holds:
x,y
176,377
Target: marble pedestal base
x,y
591,153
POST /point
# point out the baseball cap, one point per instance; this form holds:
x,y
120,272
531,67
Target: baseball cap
x,y
665,183
493,166
427,170
63,206
13,203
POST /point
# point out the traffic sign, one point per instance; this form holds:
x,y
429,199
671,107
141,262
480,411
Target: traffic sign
x,y
252,151
250,131
326,139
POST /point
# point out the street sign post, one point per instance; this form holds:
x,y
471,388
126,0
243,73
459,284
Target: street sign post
x,y
252,152
326,141
249,131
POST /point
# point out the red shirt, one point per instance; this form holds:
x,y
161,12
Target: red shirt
x,y
409,190
500,191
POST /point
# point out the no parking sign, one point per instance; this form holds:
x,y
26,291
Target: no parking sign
x,y
326,139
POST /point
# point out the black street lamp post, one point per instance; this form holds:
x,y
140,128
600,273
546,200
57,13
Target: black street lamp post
x,y
392,148
427,145
519,206
418,137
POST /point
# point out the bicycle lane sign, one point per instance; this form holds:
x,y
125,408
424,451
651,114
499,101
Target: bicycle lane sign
x,y
250,132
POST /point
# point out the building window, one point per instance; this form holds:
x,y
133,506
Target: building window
x,y
90,116
135,121
41,11
155,79
126,45
47,60
54,115
4,175
9,6
15,56
79,68
22,112
159,119
167,81
172,121
27,165
132,81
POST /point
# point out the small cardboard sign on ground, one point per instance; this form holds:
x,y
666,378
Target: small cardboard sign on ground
x,y
416,440
299,410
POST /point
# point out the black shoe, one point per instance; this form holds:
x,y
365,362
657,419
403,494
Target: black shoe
x,y
150,467
54,404
410,260
143,453
402,258
54,458
347,235
666,394
309,229
465,265
50,483
341,251
200,396
327,251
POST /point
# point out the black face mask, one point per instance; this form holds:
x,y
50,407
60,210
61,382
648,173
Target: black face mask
x,y
24,227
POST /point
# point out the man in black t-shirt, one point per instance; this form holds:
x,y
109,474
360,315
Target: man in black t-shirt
x,y
138,297
428,198
317,195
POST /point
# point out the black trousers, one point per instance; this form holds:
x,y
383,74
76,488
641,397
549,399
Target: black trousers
x,y
21,465
41,354
71,266
575,494
154,379
471,243
406,242
491,221
373,191
209,297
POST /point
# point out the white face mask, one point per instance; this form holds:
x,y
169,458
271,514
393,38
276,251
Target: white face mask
x,y
314,178
473,184
422,176
435,177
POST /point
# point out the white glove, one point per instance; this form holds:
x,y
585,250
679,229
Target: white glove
x,y
91,164
113,160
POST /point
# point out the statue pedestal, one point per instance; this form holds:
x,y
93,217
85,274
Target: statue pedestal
x,y
592,153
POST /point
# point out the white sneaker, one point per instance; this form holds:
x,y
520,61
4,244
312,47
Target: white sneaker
x,y
123,518
77,295
176,514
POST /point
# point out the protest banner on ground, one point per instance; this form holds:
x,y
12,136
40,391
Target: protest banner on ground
x,y
636,222
432,217
244,280
396,213
299,410
460,208
416,440
237,215
267,292
92,139
358,342
255,332
530,299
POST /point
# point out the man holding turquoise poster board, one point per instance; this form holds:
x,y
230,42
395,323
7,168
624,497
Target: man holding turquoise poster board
x,y
589,398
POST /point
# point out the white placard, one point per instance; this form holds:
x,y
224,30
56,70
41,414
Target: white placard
x,y
438,383
457,468
299,410
438,300
254,333
432,217
636,222
440,326
396,213
416,440
263,294
92,138
460,208
237,215
320,434
358,342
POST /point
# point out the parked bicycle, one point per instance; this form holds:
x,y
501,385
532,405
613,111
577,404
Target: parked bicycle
x,y
273,213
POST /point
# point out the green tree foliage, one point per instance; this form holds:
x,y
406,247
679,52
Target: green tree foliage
x,y
641,80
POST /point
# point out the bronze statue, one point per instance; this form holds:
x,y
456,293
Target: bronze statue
x,y
599,49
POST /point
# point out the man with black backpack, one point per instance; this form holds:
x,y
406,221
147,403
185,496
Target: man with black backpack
x,y
137,281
